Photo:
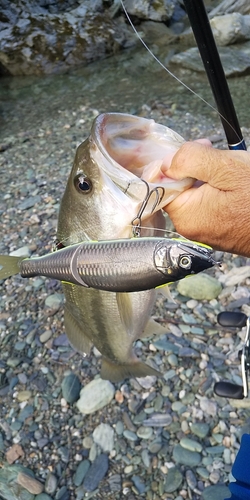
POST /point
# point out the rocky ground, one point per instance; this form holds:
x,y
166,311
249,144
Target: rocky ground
x,y
169,438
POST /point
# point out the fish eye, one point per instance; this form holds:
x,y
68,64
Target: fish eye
x,y
185,261
82,183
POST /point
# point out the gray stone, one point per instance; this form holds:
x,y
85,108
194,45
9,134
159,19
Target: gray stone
x,y
96,472
173,480
71,388
50,483
103,436
216,492
186,457
200,287
95,395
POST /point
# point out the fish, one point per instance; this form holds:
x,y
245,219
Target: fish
x,y
125,265
116,190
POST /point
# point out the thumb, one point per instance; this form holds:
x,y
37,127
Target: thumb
x,y
193,159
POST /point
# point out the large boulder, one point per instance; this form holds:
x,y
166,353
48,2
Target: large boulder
x,y
34,40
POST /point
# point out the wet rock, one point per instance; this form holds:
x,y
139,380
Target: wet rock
x,y
95,395
200,287
71,387
103,436
96,472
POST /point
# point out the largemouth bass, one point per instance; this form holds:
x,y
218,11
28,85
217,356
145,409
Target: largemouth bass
x,y
125,265
108,194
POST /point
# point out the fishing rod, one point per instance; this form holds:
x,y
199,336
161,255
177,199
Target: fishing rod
x,y
212,63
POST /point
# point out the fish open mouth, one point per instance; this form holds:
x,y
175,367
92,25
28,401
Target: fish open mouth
x,y
139,148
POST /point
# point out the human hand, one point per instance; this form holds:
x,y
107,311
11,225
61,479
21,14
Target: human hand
x,y
216,212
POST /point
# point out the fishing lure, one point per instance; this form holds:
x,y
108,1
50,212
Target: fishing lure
x,y
124,265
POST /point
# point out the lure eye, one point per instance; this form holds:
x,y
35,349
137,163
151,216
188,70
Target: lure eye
x,y
83,184
185,262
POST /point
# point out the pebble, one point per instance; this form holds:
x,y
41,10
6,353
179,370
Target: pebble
x,y
217,492
81,472
45,336
173,480
200,287
130,435
43,496
29,202
50,483
186,457
21,252
24,395
139,484
54,301
190,444
200,429
71,387
215,450
103,436
103,392
144,432
96,472
29,483
209,407
145,458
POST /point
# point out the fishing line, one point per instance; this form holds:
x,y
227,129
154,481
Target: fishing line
x,y
172,74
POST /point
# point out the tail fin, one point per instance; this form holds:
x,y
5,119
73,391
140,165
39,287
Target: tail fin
x,y
9,265
117,373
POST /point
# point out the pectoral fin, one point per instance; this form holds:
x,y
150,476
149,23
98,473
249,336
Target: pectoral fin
x,y
153,328
117,373
165,291
75,334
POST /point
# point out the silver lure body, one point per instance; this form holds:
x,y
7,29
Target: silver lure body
x,y
126,265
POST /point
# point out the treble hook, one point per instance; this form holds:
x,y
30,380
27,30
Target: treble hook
x,y
136,222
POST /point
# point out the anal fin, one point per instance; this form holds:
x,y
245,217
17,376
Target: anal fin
x,y
118,372
76,336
